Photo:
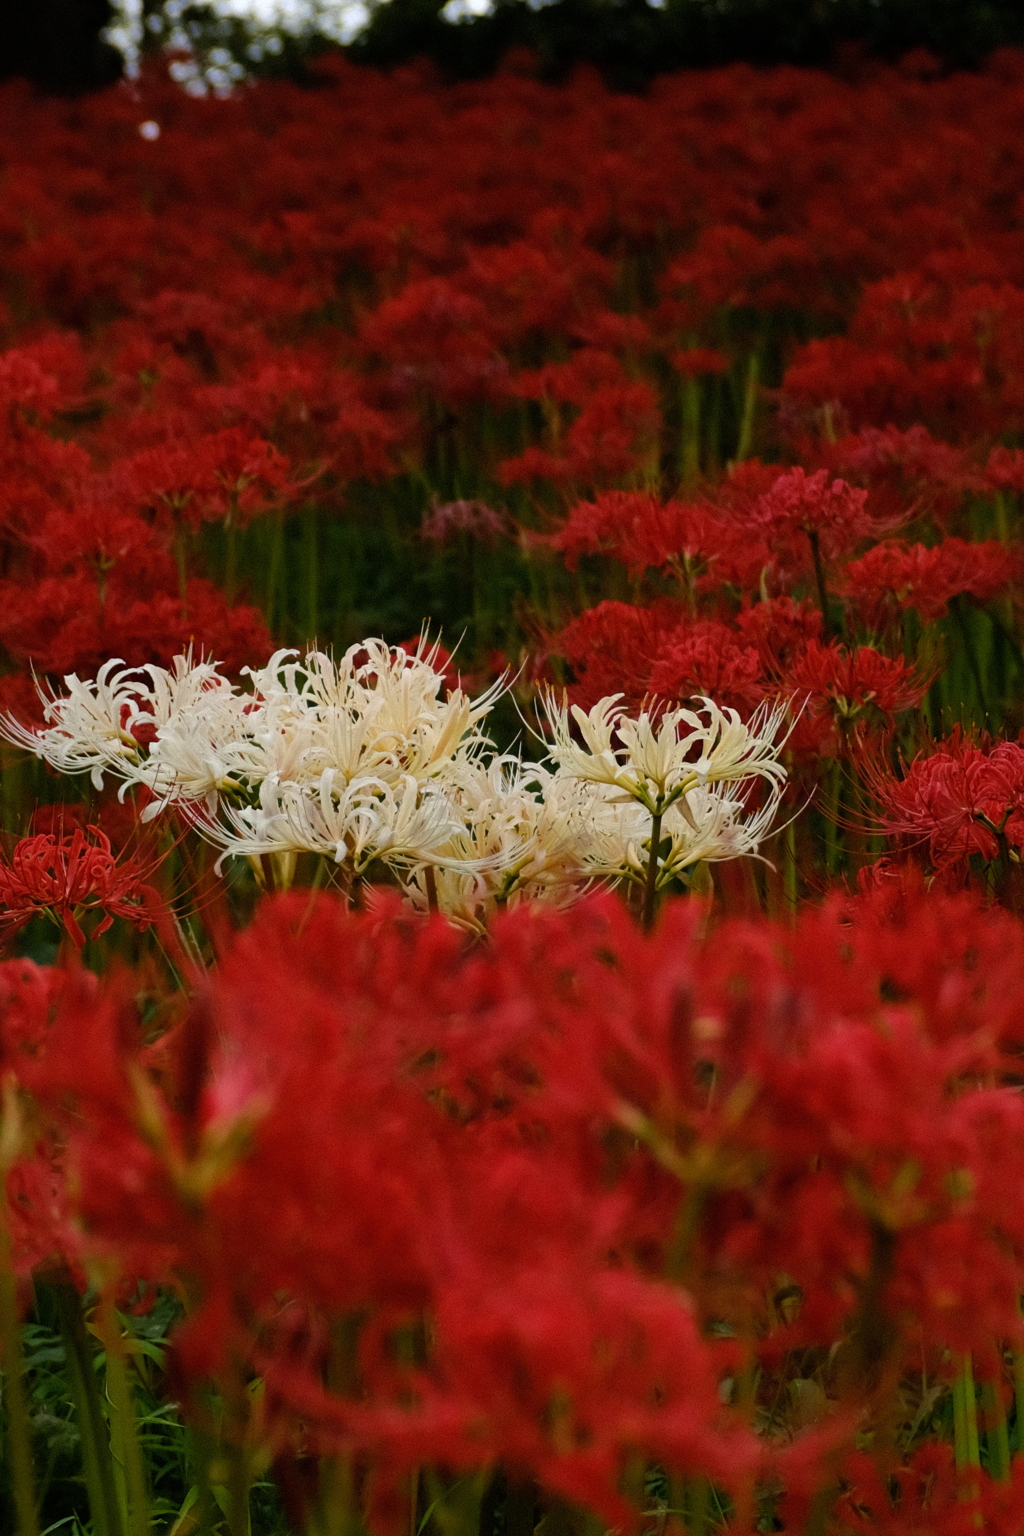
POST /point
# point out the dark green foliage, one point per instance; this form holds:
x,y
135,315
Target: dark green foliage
x,y
630,41
57,44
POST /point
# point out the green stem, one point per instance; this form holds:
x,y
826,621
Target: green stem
x,y
818,1519
959,1425
965,1418
206,1510
238,1492
124,1440
230,558
971,1410
698,1506
96,1461
680,1254
790,870
651,882
274,567
337,1497
832,815
689,458
18,1434
819,580
312,563
749,407
181,557
970,651
997,1435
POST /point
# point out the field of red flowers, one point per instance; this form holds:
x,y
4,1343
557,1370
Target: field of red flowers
x,y
512,693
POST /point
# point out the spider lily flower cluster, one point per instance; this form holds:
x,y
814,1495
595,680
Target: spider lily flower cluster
x,y
368,761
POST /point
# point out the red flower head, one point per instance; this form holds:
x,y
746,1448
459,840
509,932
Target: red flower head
x,y
229,473
704,546
894,576
959,800
852,689
66,875
832,512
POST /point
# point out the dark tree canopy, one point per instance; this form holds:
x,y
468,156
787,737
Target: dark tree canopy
x,y
58,44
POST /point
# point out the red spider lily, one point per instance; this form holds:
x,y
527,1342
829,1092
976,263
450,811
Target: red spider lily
x,y
69,874
703,545
958,800
507,1137
547,283
105,583
705,658
832,514
657,651
907,472
1005,469
895,576
732,266
615,432
923,348
435,338
225,474
780,629
855,685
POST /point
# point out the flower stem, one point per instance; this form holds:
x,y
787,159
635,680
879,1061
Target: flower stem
x,y
749,407
312,563
698,1506
651,882
19,1441
689,462
966,1445
1018,1392
819,579
995,1430
96,1461
230,559
274,561
238,1492
124,1439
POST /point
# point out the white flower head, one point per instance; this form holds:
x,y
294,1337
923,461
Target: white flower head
x,y
657,762
717,827
105,725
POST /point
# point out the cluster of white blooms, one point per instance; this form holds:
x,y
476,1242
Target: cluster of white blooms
x,y
371,762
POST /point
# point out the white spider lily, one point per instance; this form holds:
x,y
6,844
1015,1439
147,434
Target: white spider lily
x,y
376,711
352,824
733,750
401,829
524,836
87,729
718,828
529,825
198,755
367,760
659,763
104,726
